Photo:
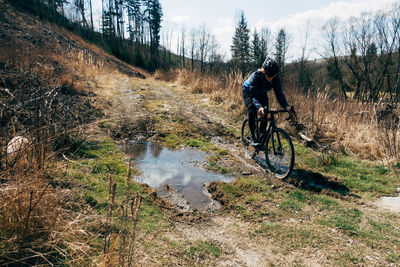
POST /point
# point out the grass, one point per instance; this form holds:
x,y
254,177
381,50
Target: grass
x,y
204,249
369,179
100,156
347,220
301,219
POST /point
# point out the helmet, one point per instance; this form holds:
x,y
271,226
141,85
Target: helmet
x,y
271,67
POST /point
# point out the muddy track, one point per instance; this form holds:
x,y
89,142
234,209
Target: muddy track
x,y
128,106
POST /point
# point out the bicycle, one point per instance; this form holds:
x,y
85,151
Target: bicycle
x,y
275,142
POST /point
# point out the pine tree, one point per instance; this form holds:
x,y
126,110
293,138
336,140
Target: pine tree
x,y
281,47
80,8
257,57
153,12
134,20
241,45
108,20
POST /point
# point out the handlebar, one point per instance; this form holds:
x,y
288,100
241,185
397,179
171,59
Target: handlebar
x,y
273,112
276,111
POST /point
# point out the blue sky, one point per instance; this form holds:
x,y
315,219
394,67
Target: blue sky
x,y
221,16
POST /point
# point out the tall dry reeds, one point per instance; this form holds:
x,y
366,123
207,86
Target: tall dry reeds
x,y
40,222
119,245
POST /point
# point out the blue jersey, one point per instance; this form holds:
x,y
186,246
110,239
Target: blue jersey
x,y
258,87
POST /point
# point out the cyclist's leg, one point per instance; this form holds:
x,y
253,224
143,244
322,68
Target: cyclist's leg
x,y
264,101
252,114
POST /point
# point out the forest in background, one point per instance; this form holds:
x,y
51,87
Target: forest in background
x,y
360,59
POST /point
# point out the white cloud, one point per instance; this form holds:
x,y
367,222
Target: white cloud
x,y
296,23
180,19
224,32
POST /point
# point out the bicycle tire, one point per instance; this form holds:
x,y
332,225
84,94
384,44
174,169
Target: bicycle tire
x,y
246,139
281,162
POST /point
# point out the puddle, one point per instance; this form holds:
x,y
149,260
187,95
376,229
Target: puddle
x,y
391,203
180,169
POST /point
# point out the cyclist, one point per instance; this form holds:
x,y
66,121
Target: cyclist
x,y
255,93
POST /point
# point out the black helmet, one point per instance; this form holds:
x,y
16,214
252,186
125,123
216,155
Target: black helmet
x,y
271,67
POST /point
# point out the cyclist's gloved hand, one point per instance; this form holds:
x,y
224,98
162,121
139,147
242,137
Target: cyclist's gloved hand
x,y
291,112
260,112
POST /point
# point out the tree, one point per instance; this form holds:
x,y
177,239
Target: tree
x,y
183,31
134,20
241,45
80,8
257,56
193,44
215,59
91,14
153,12
108,19
204,43
304,78
265,43
333,64
281,47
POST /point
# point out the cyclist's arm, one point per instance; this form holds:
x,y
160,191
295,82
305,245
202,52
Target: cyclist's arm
x,y
280,96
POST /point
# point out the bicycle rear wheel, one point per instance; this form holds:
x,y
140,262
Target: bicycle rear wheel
x,y
279,153
246,139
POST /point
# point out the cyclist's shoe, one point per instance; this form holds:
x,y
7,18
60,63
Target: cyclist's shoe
x,y
254,143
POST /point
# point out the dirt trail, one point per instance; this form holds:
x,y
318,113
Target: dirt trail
x,y
131,104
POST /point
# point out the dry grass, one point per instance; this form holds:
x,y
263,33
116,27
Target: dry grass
x,y
346,126
38,224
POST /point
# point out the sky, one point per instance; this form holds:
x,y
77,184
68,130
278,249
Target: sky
x,y
221,16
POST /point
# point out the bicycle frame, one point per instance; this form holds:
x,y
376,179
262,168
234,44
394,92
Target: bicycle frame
x,y
273,141
270,125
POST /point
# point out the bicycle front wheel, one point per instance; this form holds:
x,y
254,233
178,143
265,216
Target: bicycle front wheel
x,y
246,139
279,153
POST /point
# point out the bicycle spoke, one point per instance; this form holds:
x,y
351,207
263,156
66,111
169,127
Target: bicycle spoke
x,y
279,154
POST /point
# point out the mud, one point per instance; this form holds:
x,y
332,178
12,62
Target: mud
x,y
177,174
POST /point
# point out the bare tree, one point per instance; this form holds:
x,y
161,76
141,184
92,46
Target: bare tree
x,y
265,41
204,43
330,34
183,31
304,78
215,59
193,45
395,22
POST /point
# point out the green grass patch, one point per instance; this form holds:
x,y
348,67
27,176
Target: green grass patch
x,y
203,250
290,237
101,159
347,220
360,176
348,257
291,205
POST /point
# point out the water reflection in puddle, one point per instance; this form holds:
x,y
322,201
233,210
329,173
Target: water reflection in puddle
x,y
180,169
